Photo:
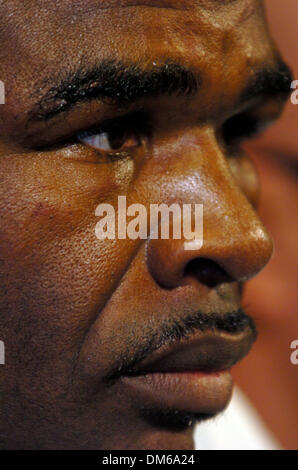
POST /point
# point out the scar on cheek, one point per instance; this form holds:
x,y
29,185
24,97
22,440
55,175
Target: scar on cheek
x,y
46,210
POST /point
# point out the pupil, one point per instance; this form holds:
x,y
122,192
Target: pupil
x,y
117,138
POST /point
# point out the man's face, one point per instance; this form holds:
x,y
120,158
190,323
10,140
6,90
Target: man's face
x,y
124,344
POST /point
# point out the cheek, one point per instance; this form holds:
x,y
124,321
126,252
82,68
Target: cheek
x,y
56,275
50,198
245,175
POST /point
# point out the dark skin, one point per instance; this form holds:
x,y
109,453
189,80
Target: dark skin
x,y
72,307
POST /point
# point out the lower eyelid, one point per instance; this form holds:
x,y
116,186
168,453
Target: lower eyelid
x,y
87,154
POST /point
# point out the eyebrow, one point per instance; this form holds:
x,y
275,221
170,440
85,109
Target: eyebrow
x,y
117,83
120,85
269,82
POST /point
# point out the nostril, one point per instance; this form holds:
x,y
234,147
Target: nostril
x,y
207,272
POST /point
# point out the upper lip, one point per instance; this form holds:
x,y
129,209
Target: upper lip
x,y
173,4
207,352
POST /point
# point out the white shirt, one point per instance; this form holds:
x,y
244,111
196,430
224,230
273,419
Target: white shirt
x,y
238,428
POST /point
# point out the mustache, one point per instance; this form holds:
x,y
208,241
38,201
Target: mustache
x,y
179,329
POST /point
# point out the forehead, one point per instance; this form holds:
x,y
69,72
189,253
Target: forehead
x,y
42,42
63,33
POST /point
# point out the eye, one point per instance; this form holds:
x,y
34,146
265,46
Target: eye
x,y
123,134
241,127
106,141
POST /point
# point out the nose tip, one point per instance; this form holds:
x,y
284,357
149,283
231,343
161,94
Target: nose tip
x,y
235,257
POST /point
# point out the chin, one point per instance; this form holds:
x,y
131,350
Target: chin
x,y
163,440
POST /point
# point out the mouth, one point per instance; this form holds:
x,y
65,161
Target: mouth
x,y
190,376
166,4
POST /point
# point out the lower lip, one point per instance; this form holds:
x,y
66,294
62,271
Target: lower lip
x,y
193,392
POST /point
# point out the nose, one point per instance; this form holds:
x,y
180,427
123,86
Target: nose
x,y
235,246
233,256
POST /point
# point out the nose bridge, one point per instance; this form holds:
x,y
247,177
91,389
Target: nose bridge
x,y
234,238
